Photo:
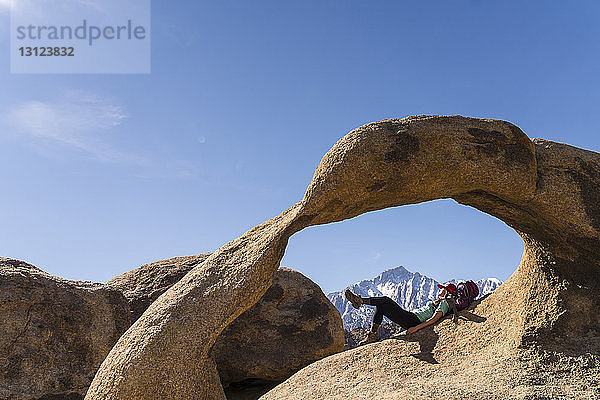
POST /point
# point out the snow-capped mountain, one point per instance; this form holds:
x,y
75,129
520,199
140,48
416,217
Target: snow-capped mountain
x,y
409,289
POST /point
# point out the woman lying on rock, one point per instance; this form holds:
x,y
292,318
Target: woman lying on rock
x,y
427,315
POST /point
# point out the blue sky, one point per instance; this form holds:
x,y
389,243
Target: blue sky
x,y
103,173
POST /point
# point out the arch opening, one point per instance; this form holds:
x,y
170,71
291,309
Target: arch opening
x,y
441,240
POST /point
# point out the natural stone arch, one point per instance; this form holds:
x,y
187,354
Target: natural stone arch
x,y
548,192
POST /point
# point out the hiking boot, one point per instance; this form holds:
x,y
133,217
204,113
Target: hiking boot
x,y
372,337
354,299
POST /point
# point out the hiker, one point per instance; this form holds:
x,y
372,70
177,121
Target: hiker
x,y
427,315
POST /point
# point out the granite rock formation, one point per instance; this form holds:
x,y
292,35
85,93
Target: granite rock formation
x,y
545,313
291,326
55,332
143,285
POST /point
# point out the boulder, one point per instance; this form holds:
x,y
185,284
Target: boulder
x,y
143,285
544,315
54,332
291,326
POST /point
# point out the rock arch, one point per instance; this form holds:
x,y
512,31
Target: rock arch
x,y
548,192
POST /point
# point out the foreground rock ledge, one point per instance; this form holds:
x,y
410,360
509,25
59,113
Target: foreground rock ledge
x,y
548,192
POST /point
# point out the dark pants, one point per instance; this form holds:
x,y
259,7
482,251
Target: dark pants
x,y
389,308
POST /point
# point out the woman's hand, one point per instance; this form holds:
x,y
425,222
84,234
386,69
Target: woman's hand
x,y
412,330
430,321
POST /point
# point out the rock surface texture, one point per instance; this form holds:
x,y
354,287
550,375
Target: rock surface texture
x,y
143,285
57,332
291,326
54,332
541,334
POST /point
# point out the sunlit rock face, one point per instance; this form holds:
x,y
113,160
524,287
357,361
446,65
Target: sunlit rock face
x,y
546,191
54,333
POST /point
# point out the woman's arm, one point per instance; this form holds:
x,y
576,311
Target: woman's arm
x,y
422,325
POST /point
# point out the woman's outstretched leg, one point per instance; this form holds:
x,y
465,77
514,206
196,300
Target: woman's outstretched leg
x,y
384,307
358,301
389,308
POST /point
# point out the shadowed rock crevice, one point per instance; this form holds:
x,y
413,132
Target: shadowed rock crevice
x,y
545,191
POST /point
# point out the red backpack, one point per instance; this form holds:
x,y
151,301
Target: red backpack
x,y
466,293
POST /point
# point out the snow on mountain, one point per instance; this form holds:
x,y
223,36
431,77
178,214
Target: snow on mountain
x,y
487,285
409,289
